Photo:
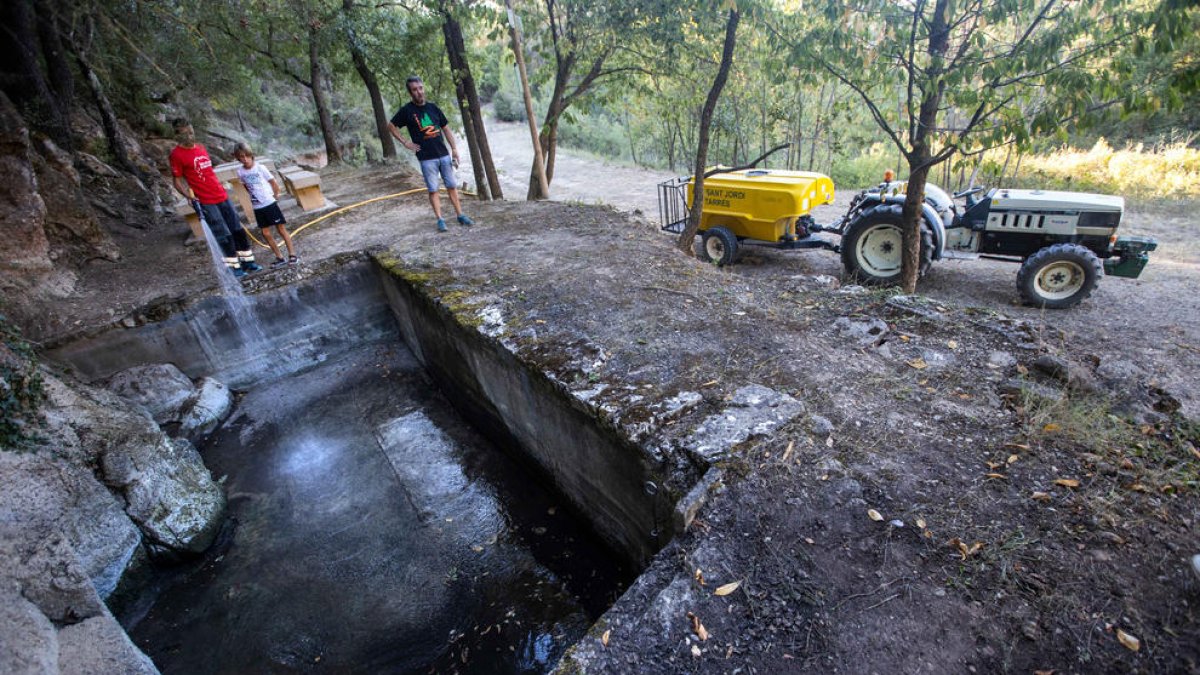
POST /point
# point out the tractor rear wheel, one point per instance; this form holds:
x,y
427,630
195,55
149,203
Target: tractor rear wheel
x,y
872,248
719,246
1059,276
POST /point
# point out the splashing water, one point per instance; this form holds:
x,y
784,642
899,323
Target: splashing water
x,y
240,308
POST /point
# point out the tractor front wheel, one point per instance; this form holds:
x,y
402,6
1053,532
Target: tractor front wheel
x,y
1059,276
872,248
719,246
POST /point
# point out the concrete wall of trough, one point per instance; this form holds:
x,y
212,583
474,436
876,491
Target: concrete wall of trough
x,y
608,480
269,334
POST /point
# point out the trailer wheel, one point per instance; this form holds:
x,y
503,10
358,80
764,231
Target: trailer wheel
x,y
719,246
873,244
1059,276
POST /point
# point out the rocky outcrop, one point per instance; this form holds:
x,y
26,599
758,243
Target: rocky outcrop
x,y
212,404
166,489
173,400
98,487
24,249
162,389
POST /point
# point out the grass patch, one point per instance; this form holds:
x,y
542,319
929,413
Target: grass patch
x,y
1162,171
1159,458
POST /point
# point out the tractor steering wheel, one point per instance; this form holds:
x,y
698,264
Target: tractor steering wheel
x,y
970,193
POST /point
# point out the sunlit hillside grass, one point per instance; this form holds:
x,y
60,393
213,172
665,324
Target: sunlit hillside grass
x,y
1170,171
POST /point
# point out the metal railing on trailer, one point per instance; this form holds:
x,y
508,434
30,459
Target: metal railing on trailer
x,y
672,204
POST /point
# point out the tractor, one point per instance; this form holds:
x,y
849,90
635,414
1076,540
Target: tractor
x,y
1064,241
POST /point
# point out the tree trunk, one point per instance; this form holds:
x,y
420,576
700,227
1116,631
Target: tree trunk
x,y
920,159
539,167
386,142
688,237
470,107
321,99
108,118
28,89
549,136
62,80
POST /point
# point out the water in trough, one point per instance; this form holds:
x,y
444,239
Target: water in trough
x,y
371,529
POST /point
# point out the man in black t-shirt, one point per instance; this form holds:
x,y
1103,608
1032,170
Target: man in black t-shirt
x,y
426,127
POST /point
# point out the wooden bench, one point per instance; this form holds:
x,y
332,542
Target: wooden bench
x,y
306,187
286,171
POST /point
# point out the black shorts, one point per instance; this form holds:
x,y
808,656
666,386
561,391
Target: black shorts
x,y
269,215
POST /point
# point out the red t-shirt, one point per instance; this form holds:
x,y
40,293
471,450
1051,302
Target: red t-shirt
x,y
196,168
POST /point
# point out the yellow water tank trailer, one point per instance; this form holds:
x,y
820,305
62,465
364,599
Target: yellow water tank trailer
x,y
761,204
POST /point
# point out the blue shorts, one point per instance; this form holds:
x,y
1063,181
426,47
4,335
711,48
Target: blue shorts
x,y
430,168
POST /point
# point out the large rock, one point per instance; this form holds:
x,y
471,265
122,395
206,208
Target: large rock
x,y
45,497
213,402
27,640
98,646
49,573
162,389
168,491
171,398
166,488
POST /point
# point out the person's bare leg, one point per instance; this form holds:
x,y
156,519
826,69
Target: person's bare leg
x,y
266,233
435,201
453,192
287,239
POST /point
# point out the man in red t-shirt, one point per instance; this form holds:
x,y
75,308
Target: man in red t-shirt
x,y
195,179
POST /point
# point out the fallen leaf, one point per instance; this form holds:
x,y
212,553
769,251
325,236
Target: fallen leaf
x,y
1043,672
1052,427
993,465
952,344
699,576
1040,496
1018,446
1138,487
1128,641
918,363
709,383
998,476
808,540
696,651
1195,452
964,550
727,588
965,397
788,453
923,382
477,548
1013,458
904,338
874,515
1067,482
1022,369
697,627
921,523
604,638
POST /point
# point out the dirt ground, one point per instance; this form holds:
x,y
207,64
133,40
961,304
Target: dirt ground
x,y
945,504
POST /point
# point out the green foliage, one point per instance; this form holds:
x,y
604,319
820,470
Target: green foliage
x,y
21,391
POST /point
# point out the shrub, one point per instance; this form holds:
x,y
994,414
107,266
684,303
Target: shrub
x,y
21,390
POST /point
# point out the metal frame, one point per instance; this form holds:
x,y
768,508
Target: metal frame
x,y
672,204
